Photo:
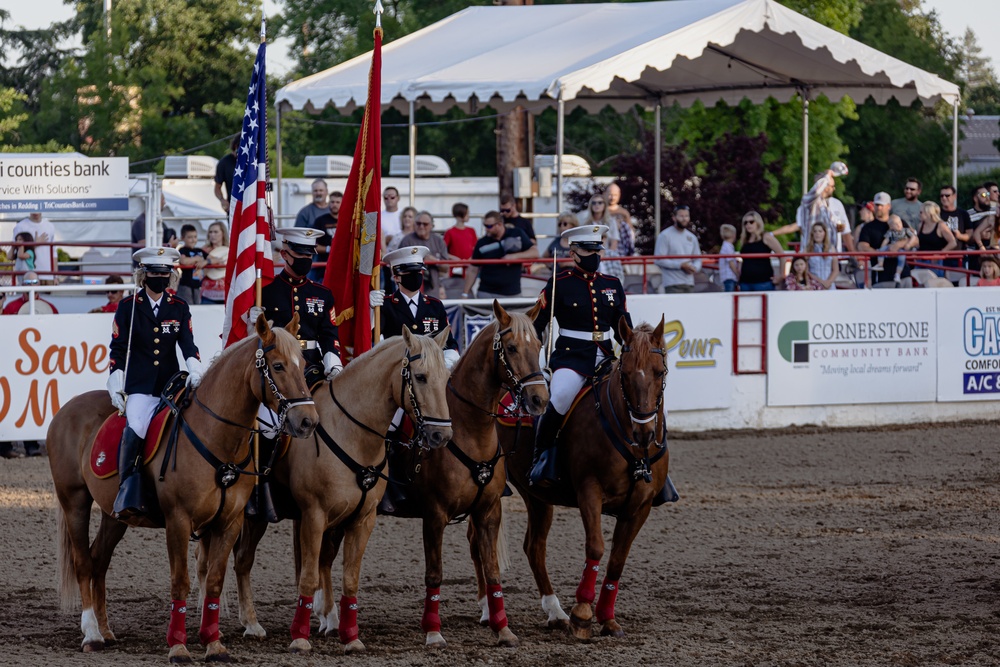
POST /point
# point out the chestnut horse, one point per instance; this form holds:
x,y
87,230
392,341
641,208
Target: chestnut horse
x,y
201,493
613,460
467,477
337,478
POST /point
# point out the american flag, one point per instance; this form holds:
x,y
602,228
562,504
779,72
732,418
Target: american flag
x,y
249,230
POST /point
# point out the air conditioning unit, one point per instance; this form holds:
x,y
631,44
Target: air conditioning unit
x,y
189,166
572,165
427,165
322,166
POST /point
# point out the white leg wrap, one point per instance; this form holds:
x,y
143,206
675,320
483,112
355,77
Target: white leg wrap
x,y
485,607
318,608
551,606
88,624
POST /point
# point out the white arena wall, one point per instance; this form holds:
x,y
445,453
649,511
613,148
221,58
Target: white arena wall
x,y
835,359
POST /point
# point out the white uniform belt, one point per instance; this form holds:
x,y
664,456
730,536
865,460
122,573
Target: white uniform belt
x,y
308,344
586,335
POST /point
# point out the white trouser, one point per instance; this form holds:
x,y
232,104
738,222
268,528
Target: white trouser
x,y
139,411
565,385
267,422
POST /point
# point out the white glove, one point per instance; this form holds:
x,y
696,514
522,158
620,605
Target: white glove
x,y
253,314
195,371
450,358
331,365
376,298
116,388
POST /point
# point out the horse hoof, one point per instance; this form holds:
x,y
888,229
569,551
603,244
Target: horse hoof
x,y
507,639
219,657
255,630
179,655
580,627
559,624
300,646
612,629
354,647
93,647
435,640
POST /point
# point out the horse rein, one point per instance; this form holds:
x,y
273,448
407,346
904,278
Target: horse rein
x,y
284,404
420,421
636,416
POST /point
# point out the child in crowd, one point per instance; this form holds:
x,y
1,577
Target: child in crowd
x,y
24,256
460,240
899,237
799,277
193,261
989,272
729,269
114,296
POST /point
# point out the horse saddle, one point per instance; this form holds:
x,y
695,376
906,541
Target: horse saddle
x,y
505,418
104,454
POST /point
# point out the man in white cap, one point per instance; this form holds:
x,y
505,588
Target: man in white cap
x,y
587,307
870,239
147,329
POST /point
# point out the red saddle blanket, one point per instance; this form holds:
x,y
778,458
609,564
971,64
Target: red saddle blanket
x,y
104,455
507,401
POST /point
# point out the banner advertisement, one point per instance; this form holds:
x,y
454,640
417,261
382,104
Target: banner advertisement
x,y
61,184
969,362
52,358
862,347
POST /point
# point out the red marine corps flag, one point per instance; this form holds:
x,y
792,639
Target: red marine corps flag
x,y
357,244
249,231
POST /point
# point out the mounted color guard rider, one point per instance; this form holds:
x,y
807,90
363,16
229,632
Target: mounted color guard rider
x,y
587,307
147,328
408,306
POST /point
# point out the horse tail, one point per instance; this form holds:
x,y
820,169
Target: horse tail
x,y
503,553
69,590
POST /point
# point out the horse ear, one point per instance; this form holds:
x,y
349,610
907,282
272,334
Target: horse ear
x,y
263,329
502,317
408,337
293,326
624,330
441,337
533,312
658,331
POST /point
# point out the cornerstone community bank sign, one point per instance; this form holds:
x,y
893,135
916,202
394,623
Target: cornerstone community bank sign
x,y
63,184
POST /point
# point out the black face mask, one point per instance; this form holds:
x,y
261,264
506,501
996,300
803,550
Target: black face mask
x,y
158,284
589,263
411,281
300,265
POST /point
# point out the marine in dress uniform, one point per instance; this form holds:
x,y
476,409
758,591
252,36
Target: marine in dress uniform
x,y
147,329
587,306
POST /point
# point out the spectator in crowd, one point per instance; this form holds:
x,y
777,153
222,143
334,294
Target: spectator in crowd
x,y
559,246
934,235
908,206
824,269
407,223
865,215
983,215
610,266
20,305
138,236
993,189
678,274
617,214
498,242
729,269
213,283
757,274
898,239
391,227
224,171
326,223
958,220
24,256
320,205
460,239
596,213
819,205
511,217
114,296
193,261
870,238
800,279
989,272
42,232
423,235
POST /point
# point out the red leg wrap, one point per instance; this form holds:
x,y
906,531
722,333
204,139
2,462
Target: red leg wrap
x,y
431,621
209,631
585,591
494,599
303,616
177,632
348,629
606,602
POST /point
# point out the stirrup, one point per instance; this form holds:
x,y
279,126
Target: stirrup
x,y
543,474
260,506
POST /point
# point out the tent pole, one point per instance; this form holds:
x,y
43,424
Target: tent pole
x,y
413,152
277,145
954,144
657,140
560,147
805,140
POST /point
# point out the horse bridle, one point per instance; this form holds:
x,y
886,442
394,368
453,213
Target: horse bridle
x,y
420,421
264,370
633,414
515,385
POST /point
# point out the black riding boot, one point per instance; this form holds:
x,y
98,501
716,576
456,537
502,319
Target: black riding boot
x,y
131,499
668,494
544,472
260,507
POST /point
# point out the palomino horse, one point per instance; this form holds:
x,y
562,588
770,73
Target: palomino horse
x,y
613,459
201,493
464,478
337,480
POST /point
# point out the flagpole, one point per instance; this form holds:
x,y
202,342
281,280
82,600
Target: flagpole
x,y
377,267
257,286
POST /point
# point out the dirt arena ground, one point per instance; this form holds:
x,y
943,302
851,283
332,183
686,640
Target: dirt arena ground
x,y
873,547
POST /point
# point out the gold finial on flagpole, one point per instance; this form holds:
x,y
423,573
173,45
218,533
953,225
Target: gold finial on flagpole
x,y
378,14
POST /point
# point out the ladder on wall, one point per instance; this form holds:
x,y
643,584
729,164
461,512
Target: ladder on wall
x,y
750,333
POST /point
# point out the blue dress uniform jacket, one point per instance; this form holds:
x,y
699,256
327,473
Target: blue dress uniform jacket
x,y
155,339
285,296
588,302
431,317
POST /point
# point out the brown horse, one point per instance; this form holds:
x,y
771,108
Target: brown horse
x,y
466,478
337,479
613,460
199,494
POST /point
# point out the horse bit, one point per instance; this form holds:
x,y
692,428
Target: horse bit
x,y
420,421
515,385
633,414
284,404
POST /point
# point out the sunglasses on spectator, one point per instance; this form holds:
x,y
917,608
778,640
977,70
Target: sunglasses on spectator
x,y
984,195
390,197
599,202
423,224
490,225
946,194
565,224
506,210
910,189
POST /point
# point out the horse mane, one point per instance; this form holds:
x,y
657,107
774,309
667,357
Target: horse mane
x,y
643,343
521,326
285,343
422,343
